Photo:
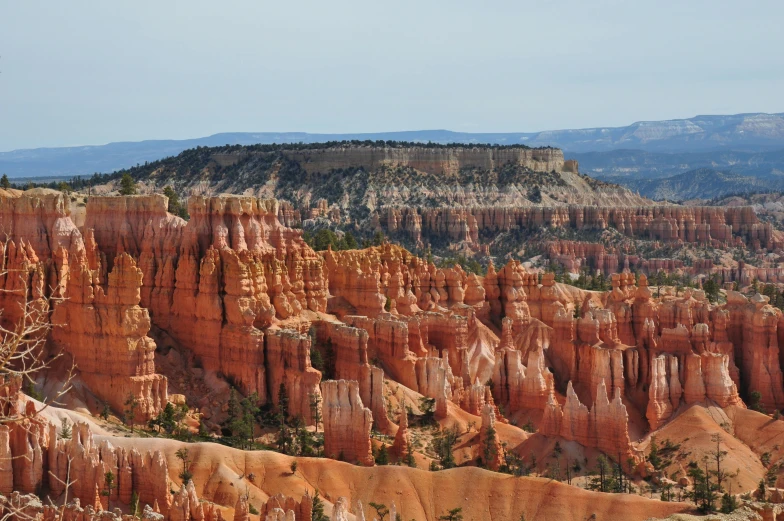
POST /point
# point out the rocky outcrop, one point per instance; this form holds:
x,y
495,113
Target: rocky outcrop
x,y
349,346
522,387
714,226
288,365
604,426
105,330
402,445
232,270
491,451
86,461
32,455
187,507
288,506
347,423
760,362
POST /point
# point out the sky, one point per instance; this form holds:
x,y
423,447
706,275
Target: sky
x,y
85,72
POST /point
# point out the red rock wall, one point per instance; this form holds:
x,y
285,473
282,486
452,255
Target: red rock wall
x,y
347,422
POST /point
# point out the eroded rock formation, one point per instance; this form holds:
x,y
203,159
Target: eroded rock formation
x,y
347,422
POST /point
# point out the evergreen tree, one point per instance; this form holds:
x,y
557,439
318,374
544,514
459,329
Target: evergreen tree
x,y
489,450
381,510
351,242
409,459
133,506
283,404
703,491
65,430
653,454
718,456
175,206
4,182
285,440
315,408
382,456
131,404
127,185
165,419
317,512
428,408
108,487
186,475
444,447
728,503
603,480
105,412
754,402
762,490
456,514
711,289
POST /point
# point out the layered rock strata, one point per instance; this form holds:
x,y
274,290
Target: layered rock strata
x,y
347,422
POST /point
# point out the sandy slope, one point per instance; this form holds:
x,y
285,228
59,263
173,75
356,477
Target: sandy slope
x,y
221,472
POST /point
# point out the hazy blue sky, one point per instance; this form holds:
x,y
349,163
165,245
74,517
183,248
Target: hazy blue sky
x,y
90,72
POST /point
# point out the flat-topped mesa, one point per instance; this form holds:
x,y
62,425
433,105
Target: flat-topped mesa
x,y
105,330
716,226
347,423
447,160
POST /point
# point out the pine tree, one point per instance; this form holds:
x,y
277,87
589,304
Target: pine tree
x,y
718,456
653,454
65,430
285,440
105,412
456,514
381,510
109,486
283,405
131,404
315,408
408,459
186,475
603,480
762,490
489,450
382,456
728,503
127,185
444,448
317,511
134,504
4,182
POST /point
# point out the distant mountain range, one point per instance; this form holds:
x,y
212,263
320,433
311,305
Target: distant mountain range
x,y
711,137
703,183
619,165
